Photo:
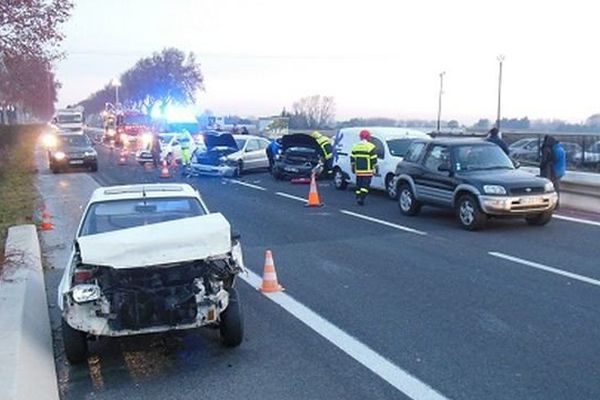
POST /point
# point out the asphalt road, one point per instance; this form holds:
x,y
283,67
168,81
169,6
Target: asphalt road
x,y
507,313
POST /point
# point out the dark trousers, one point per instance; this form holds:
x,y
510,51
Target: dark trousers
x,y
363,183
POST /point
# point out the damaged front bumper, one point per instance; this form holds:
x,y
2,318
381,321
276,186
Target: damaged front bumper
x,y
212,170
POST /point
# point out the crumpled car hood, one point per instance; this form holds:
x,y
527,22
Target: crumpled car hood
x,y
181,240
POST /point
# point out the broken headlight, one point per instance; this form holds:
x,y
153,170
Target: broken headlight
x,y
85,293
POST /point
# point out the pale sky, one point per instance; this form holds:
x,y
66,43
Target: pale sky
x,y
376,57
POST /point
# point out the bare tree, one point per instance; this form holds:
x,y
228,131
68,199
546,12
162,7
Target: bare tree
x,y
313,112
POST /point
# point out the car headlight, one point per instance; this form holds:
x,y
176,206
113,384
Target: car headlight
x,y
549,187
85,293
90,153
59,155
494,189
49,140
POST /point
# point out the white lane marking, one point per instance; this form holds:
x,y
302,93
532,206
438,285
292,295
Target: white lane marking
x,y
578,220
379,221
385,369
289,196
250,185
545,268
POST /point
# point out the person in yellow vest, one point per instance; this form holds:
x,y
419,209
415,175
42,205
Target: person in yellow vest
x,y
326,147
363,159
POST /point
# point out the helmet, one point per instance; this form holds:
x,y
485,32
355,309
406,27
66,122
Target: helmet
x,y
315,134
364,135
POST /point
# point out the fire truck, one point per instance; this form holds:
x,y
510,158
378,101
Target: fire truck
x,y
125,127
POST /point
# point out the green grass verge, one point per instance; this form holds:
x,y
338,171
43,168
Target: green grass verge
x,y
18,194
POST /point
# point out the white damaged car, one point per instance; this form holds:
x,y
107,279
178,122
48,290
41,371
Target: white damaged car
x,y
148,259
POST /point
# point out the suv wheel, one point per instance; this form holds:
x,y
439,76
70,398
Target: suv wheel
x,y
338,180
406,200
391,187
75,344
539,219
469,215
232,324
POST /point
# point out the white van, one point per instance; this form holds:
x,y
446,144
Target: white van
x,y
390,143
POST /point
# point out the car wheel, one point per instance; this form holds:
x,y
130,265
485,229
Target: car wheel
x,y
406,200
232,324
339,180
469,215
75,344
239,169
539,219
391,187
94,167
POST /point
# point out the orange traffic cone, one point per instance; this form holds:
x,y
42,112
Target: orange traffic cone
x,y
46,225
123,157
269,283
164,172
313,195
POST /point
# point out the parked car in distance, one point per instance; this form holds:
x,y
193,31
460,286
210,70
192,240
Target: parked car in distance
x,y
391,145
591,156
298,157
72,150
473,177
149,259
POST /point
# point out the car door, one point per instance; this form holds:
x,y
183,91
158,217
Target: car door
x,y
435,186
378,181
252,154
175,148
263,160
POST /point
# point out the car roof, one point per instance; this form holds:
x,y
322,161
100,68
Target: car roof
x,y
461,141
139,191
386,132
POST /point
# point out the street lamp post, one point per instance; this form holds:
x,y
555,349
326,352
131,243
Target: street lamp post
x,y
116,83
439,116
500,62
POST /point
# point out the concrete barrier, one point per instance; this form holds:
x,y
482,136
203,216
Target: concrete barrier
x,y
27,369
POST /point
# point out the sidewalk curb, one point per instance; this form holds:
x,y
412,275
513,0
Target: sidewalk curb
x,y
27,369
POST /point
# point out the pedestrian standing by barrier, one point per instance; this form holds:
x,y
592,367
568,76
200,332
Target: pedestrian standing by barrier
x,y
364,161
494,137
553,161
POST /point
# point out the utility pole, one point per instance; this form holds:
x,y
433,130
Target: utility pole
x,y
116,83
500,62
439,116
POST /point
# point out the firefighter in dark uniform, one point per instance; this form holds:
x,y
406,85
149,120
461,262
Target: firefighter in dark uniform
x,y
326,148
364,160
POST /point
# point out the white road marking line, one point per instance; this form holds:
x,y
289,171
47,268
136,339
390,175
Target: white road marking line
x,y
289,196
546,268
379,221
385,369
578,220
250,185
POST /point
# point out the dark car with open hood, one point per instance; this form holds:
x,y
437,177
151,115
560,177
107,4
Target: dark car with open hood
x,y
473,177
299,156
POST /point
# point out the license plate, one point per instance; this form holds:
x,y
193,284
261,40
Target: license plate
x,y
76,162
531,200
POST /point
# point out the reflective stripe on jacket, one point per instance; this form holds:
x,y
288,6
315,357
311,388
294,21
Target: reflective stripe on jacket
x,y
363,158
325,145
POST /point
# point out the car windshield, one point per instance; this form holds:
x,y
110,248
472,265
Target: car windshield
x,y
74,140
69,118
110,216
240,143
481,157
398,147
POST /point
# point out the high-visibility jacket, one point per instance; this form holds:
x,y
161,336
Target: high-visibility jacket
x,y
325,145
363,158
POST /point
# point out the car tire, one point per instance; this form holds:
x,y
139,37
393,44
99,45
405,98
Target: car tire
x,y
540,219
407,202
74,343
232,323
94,167
339,180
469,214
391,187
239,169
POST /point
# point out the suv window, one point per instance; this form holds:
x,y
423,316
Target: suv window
x,y
379,149
414,151
437,156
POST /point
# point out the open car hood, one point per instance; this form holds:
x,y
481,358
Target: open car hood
x,y
212,140
298,140
181,240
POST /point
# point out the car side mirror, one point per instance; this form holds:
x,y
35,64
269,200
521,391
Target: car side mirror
x,y
516,164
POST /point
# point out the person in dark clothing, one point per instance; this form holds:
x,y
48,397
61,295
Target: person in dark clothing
x,y
494,137
553,161
244,131
155,149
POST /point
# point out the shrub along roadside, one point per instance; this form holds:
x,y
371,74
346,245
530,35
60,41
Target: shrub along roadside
x,y
18,195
